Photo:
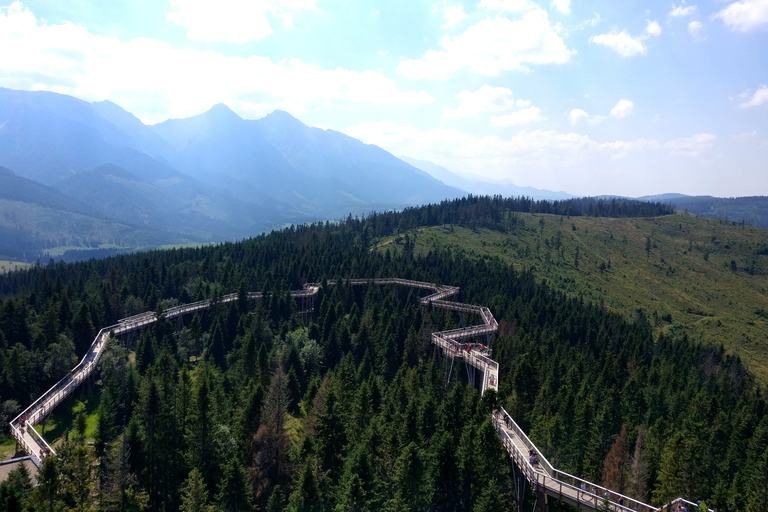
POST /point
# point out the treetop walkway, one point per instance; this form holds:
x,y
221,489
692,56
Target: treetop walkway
x,y
544,479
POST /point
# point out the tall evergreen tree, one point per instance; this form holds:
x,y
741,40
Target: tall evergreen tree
x,y
194,497
233,495
306,496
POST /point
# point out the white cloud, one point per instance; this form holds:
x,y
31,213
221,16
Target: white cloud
x,y
235,21
454,14
564,6
485,99
760,97
536,148
493,45
592,22
653,28
694,28
680,10
622,109
578,116
494,100
521,117
507,5
621,42
626,45
692,146
541,158
745,15
155,81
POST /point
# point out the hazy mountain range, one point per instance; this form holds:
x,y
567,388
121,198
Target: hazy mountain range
x,y
210,177
482,186
91,175
750,210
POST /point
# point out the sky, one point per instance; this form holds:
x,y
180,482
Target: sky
x,y
590,97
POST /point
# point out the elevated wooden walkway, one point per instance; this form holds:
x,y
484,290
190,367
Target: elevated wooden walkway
x,y
544,479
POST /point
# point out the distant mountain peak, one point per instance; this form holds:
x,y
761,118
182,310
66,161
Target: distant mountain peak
x,y
108,103
222,111
280,114
4,171
281,118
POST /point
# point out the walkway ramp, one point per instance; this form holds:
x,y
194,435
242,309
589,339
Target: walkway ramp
x,y
546,480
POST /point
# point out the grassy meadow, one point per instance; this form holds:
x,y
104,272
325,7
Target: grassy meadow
x,y
10,266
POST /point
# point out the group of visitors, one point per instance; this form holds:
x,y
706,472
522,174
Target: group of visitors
x,y
533,458
44,452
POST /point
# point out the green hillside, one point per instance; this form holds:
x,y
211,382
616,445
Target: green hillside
x,y
701,276
253,405
30,231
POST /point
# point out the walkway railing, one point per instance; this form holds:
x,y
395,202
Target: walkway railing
x,y
23,426
544,477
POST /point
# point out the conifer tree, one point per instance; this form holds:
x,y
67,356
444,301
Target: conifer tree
x,y
46,497
615,462
82,330
200,427
639,469
276,502
215,352
306,496
410,491
106,425
270,442
77,472
491,499
80,425
233,493
15,489
194,497
249,416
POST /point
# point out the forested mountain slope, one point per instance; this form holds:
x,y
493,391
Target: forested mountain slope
x,y
35,219
158,197
687,274
198,417
210,177
321,173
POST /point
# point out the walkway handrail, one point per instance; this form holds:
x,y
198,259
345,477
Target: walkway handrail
x,y
521,434
445,339
53,388
596,492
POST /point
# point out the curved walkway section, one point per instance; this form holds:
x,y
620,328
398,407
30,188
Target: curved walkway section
x,y
32,443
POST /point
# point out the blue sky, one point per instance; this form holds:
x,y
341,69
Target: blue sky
x,y
590,97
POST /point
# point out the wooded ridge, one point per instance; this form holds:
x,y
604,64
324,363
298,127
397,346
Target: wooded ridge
x,y
248,407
